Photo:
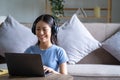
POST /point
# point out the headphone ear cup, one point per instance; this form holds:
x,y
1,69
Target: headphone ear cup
x,y
55,30
54,27
33,29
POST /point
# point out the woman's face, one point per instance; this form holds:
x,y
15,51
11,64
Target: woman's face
x,y
43,32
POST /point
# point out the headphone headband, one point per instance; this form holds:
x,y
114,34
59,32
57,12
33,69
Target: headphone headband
x,y
45,18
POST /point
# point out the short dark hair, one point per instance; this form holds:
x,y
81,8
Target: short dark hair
x,y
50,20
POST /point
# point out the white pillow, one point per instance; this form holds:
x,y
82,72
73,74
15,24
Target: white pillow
x,y
2,19
112,45
76,40
15,37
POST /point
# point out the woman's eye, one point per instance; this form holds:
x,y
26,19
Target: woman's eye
x,y
45,29
37,29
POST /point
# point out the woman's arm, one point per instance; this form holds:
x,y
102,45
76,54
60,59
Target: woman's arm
x,y
63,68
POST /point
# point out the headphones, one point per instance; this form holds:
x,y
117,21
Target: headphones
x,y
54,27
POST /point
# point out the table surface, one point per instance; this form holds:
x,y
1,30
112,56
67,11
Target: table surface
x,y
48,77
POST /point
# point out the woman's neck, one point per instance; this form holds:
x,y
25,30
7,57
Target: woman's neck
x,y
44,46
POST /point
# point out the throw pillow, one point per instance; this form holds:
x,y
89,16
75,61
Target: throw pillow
x,y
2,19
76,40
112,45
15,37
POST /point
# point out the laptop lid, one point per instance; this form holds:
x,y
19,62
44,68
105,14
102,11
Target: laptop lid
x,y
24,64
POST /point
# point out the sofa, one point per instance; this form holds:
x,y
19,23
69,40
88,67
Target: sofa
x,y
97,65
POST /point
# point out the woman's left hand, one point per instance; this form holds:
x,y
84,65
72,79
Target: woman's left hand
x,y
49,70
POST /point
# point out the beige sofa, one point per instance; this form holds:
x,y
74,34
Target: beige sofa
x,y
98,65
101,31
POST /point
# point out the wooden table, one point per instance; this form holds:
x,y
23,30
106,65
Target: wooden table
x,y
48,77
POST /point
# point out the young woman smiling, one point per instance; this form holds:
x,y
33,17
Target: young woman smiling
x,y
54,57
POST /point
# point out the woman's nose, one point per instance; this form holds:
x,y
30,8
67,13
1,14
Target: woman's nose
x,y
41,32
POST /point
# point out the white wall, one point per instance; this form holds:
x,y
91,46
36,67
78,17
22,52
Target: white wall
x,y
116,11
22,10
28,10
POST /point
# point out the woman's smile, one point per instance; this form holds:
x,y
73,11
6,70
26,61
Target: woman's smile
x,y
42,38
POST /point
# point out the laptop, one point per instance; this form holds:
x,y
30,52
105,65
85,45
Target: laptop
x,y
24,64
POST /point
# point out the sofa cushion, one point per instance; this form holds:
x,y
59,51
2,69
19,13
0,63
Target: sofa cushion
x,y
76,40
112,45
94,70
15,37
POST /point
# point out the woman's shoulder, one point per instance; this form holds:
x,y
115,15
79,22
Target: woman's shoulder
x,y
58,48
61,54
31,48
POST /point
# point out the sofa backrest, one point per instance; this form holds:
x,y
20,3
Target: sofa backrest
x,y
100,31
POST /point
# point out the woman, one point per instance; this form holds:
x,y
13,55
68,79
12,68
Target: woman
x,y
53,56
